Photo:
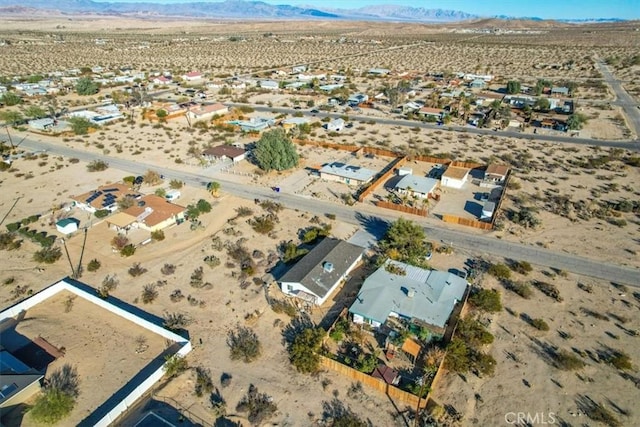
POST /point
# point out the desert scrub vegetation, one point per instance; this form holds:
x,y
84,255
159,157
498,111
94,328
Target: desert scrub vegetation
x,y
486,300
175,365
258,406
548,289
47,255
109,283
58,396
94,265
176,321
244,344
97,166
522,289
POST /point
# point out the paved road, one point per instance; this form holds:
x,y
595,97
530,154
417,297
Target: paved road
x,y
623,99
373,219
630,145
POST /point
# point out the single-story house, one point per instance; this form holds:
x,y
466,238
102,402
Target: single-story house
x,y
560,90
206,112
223,152
298,69
351,175
18,382
496,173
320,272
42,124
379,71
396,289
192,76
411,107
436,113
269,84
335,125
418,186
254,124
161,80
330,87
478,84
454,177
104,197
357,99
154,213
67,225
295,85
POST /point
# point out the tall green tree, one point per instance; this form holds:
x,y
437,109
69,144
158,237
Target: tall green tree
x,y
276,151
80,125
304,351
405,241
35,112
513,86
11,117
542,104
576,121
86,86
9,99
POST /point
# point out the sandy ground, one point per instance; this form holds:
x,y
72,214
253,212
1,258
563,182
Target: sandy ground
x,y
543,169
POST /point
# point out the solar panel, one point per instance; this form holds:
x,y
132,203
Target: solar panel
x,y
109,190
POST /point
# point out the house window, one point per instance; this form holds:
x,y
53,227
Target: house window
x,y
289,288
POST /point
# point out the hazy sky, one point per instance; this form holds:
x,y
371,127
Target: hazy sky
x,y
550,9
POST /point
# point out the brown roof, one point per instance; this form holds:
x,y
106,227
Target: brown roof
x,y
117,190
411,347
494,169
455,172
206,109
431,110
224,151
160,209
385,373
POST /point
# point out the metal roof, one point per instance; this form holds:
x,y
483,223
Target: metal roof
x,y
435,294
418,184
348,171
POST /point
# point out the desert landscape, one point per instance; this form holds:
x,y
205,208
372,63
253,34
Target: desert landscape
x,y
563,344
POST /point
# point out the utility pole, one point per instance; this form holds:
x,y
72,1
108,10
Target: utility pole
x,y
64,243
78,272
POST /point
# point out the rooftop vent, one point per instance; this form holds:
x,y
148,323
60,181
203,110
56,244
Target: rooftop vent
x,y
411,293
328,267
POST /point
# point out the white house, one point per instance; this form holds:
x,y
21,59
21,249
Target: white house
x,y
206,112
317,275
335,125
348,174
192,76
455,177
496,173
269,84
418,186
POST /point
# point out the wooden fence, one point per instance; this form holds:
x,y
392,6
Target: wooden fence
x,y
323,144
452,219
381,152
401,208
502,197
375,383
386,174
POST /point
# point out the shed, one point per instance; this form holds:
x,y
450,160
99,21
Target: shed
x,y
387,374
405,171
67,225
335,125
487,210
455,177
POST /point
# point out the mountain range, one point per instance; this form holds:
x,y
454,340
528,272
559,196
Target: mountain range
x,y
237,9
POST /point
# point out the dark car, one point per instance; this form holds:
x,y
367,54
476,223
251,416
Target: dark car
x,y
314,111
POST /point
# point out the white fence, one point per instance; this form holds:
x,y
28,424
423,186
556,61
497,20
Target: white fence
x,y
129,400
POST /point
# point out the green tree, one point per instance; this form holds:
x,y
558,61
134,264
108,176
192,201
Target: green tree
x,y
9,99
80,125
513,86
576,121
457,358
405,241
161,114
86,86
35,112
499,271
542,104
305,348
276,151
214,188
486,300
11,117
52,406
35,78
203,206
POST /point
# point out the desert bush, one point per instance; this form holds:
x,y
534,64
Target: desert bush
x,y
47,255
128,250
340,328
548,289
473,333
168,269
259,406
280,306
212,261
486,300
97,166
196,277
225,379
176,296
618,359
520,288
66,380
8,242
566,361
271,206
176,184
102,213
93,265
304,350
522,267
243,211
540,324
149,293
157,235
597,412
174,365
336,414
244,344
499,271
152,177
176,321
51,406
204,383
136,270
109,283
119,241
262,224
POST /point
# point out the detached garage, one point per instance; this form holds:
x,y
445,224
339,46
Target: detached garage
x,y
455,177
67,225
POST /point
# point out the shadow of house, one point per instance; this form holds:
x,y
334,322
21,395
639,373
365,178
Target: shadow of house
x,y
474,208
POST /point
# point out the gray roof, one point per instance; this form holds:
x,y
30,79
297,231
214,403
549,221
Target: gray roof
x,y
419,184
435,294
348,171
310,271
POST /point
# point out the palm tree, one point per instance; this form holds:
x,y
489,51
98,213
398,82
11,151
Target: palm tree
x,y
214,188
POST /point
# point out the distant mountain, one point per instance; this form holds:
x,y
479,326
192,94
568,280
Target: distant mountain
x,y
249,9
406,13
226,9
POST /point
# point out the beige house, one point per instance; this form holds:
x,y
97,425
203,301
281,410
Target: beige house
x,y
496,173
455,177
207,112
151,213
